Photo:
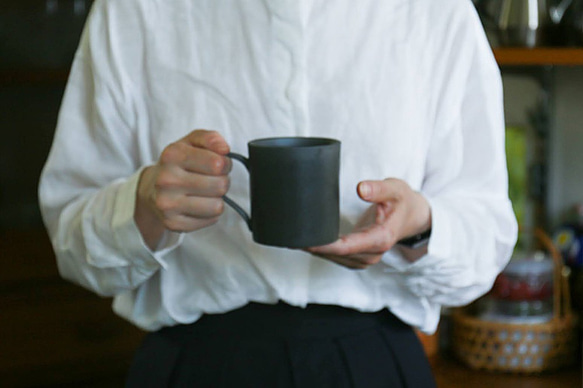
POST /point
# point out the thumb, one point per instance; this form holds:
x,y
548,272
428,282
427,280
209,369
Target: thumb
x,y
380,191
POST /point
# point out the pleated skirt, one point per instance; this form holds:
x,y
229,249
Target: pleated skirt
x,y
284,346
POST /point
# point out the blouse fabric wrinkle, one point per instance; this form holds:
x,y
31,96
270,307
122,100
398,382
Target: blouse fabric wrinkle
x,y
410,88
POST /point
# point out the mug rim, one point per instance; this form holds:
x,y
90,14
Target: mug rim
x,y
293,142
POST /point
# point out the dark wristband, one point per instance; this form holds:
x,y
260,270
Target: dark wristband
x,y
416,241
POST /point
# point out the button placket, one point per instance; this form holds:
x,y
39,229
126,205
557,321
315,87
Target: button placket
x,y
290,113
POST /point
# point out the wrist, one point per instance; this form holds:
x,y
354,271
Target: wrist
x,y
416,241
421,215
146,218
420,227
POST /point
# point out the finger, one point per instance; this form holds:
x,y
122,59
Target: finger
x,y
344,261
382,191
353,262
182,223
194,159
207,186
210,140
192,184
361,257
376,239
375,214
201,207
194,207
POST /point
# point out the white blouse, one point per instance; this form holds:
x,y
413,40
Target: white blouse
x,y
410,88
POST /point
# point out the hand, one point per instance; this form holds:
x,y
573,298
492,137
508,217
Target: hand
x,y
183,191
396,212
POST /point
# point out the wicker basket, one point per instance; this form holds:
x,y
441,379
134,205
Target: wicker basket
x,y
521,348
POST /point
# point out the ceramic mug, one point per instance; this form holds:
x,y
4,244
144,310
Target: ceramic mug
x,y
294,187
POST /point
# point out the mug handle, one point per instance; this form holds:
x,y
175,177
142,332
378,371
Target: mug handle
x,y
228,200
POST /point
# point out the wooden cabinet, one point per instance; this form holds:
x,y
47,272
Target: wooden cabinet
x,y
54,333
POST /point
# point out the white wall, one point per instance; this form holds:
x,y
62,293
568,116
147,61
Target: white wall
x,y
566,164
521,94
565,168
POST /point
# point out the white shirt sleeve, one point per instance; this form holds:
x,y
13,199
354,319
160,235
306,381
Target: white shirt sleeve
x,y
88,186
474,228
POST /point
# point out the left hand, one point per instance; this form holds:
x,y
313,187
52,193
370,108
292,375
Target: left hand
x,y
397,212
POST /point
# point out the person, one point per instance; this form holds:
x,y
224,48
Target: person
x,y
160,92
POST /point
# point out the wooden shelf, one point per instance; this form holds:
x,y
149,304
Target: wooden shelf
x,y
559,56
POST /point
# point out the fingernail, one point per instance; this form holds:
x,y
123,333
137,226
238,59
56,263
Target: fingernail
x,y
227,166
365,190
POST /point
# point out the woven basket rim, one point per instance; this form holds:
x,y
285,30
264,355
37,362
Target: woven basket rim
x,y
461,315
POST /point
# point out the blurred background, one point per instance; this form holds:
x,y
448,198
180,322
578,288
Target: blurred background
x,y
53,333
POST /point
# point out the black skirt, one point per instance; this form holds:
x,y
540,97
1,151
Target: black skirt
x,y
284,346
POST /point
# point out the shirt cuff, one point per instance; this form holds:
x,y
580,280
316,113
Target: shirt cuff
x,y
440,242
127,235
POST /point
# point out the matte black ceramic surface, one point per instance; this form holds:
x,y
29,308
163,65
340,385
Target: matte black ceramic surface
x,y
294,191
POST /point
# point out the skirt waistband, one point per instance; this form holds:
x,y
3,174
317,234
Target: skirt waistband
x,y
285,321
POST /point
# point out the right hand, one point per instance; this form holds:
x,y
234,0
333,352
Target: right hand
x,y
183,191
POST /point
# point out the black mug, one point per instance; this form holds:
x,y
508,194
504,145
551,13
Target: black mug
x,y
294,186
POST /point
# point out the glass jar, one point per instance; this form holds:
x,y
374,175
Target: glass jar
x,y
523,289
